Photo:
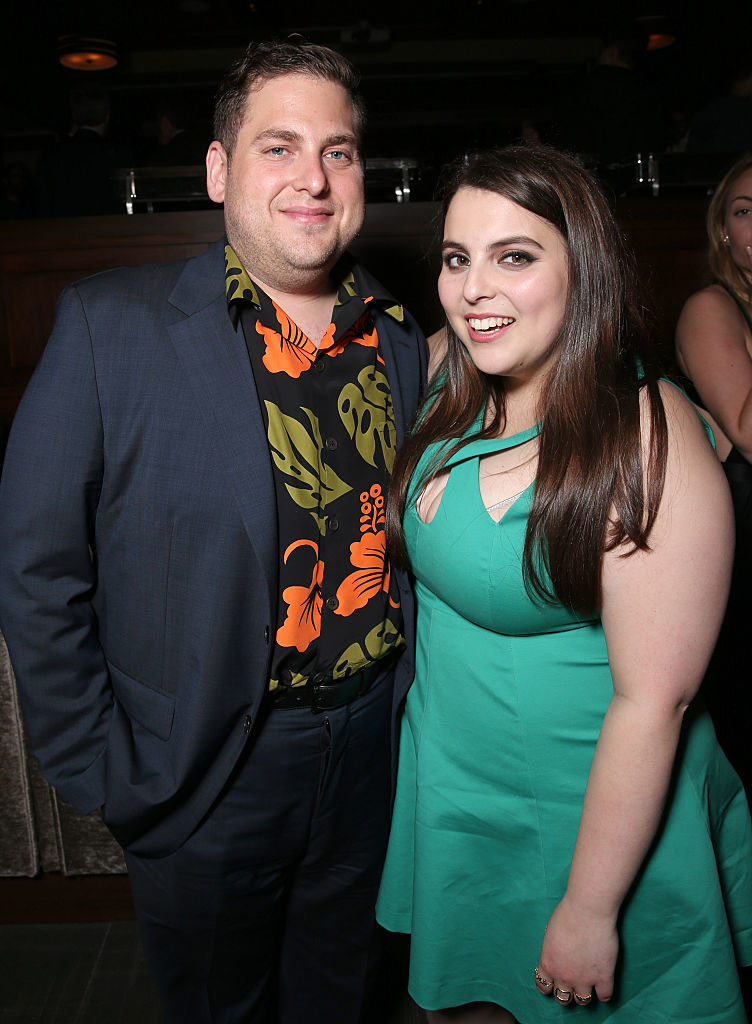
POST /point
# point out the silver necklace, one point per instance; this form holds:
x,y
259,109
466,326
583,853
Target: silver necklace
x,y
506,501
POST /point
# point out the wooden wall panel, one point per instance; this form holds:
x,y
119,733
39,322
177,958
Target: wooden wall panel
x,y
38,258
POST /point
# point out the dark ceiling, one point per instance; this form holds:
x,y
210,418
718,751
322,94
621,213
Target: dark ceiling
x,y
433,70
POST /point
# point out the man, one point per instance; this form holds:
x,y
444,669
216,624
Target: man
x,y
723,126
195,591
77,174
177,142
612,112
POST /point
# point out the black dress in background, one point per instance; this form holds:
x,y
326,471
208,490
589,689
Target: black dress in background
x,y
727,688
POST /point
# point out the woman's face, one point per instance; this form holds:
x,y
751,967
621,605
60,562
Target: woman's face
x,y
738,222
503,284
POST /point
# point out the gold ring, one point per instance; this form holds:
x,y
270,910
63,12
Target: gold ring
x,y
562,995
582,1000
540,980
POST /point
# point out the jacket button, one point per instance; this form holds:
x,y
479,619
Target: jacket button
x,y
266,634
247,722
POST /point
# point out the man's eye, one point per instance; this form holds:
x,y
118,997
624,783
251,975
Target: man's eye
x,y
276,150
338,155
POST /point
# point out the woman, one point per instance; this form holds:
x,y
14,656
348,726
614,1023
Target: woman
x,y
714,350
714,332
570,532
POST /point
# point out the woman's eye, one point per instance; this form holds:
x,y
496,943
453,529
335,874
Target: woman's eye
x,y
743,211
454,260
517,259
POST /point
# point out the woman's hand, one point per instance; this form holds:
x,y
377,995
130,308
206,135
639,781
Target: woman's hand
x,y
578,955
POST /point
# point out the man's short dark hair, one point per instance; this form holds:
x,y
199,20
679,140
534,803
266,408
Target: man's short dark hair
x,y
273,59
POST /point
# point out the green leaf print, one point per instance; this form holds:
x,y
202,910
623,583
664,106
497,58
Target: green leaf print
x,y
350,661
366,411
380,640
297,454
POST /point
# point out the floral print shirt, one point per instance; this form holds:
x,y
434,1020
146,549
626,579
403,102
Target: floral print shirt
x,y
330,427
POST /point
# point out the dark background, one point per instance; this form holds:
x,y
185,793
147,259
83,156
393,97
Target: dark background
x,y
438,77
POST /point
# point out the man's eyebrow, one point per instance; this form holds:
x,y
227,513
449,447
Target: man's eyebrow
x,y
345,138
284,134
289,135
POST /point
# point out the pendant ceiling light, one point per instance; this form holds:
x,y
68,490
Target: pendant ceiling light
x,y
658,30
86,53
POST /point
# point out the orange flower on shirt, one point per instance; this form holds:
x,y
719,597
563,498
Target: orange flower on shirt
x,y
369,556
369,339
288,350
303,620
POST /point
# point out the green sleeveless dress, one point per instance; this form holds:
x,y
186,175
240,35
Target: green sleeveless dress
x,y
497,738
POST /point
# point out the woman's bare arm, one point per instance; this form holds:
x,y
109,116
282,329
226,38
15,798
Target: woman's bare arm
x,y
661,613
713,348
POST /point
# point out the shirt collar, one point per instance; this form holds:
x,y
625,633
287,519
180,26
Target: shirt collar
x,y
353,283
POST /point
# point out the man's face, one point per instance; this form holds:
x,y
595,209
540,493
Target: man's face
x,y
293,187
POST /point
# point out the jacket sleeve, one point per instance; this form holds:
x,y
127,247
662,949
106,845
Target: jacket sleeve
x,y
49,492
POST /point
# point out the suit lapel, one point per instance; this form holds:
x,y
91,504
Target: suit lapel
x,y
389,348
217,365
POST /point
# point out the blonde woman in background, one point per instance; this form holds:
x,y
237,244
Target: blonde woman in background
x,y
714,350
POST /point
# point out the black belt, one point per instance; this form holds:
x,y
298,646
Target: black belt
x,y
326,696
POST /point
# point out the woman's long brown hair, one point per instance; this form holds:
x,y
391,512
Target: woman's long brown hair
x,y
590,493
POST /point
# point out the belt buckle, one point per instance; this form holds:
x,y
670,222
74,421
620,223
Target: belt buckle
x,y
319,702
339,693
316,706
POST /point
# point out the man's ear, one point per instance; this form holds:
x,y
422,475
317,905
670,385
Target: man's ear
x,y
216,171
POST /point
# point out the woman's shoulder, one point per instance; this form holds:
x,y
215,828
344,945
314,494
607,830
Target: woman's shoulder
x,y
680,410
712,298
709,317
690,436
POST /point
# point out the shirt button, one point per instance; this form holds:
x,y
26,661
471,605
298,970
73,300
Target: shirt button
x,y
331,443
247,722
333,524
332,603
319,365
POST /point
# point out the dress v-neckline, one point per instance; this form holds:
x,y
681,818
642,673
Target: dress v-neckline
x,y
471,453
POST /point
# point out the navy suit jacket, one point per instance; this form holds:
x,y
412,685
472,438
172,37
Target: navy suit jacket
x,y
138,545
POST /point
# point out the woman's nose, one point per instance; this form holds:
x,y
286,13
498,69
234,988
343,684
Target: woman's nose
x,y
477,284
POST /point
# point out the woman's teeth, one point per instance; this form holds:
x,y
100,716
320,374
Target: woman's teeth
x,y
490,322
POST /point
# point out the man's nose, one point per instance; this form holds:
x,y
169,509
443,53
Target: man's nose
x,y
311,174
